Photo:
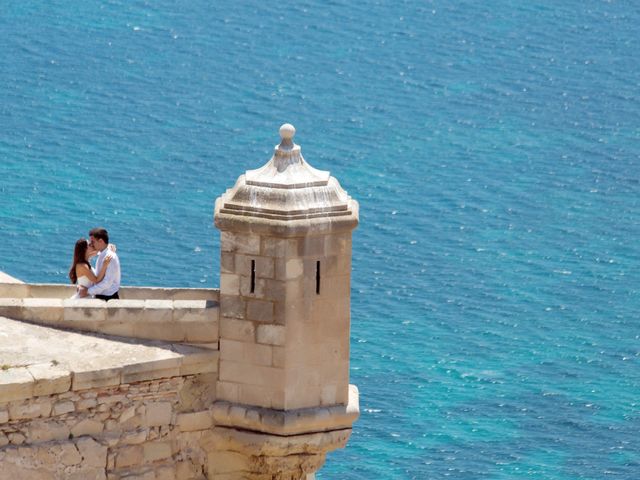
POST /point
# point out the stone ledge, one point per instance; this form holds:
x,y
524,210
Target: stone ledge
x,y
291,422
265,444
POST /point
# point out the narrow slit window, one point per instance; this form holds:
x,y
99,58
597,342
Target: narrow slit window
x,y
318,277
253,276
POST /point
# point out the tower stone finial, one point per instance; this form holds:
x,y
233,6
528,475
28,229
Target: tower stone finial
x,y
287,131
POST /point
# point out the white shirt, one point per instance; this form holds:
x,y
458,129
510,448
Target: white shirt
x,y
110,284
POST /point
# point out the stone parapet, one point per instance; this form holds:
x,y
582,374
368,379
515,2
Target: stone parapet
x,y
189,321
18,289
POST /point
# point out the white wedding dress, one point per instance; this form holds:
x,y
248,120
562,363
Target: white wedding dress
x,y
83,281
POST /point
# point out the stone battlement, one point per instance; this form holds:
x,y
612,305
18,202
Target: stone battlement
x,y
172,315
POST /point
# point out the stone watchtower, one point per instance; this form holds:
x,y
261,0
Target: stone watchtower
x,y
283,391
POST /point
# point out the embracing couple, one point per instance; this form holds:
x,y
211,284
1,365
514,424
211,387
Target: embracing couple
x,y
103,281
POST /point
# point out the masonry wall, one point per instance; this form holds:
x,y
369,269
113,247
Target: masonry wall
x,y
146,430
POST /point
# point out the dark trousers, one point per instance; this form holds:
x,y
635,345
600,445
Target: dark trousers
x,y
115,296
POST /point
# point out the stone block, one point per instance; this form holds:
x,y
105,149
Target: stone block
x,y
228,391
16,384
227,462
259,310
47,431
95,377
232,350
4,416
189,422
336,286
51,290
279,247
11,289
329,394
60,408
227,262
158,311
240,243
232,306
278,357
93,454
33,408
126,414
166,331
49,378
312,246
338,244
151,370
195,311
87,426
229,284
296,397
155,451
86,403
186,470
42,310
271,334
257,354
124,312
294,268
120,328
129,456
233,329
275,290
200,332
158,414
258,395
16,438
248,374
264,266
258,287
167,472
69,456
84,310
197,360
11,308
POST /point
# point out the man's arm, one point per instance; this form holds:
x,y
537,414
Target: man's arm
x,y
106,282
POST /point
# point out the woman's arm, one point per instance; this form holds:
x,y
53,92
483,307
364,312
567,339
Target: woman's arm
x,y
103,269
84,270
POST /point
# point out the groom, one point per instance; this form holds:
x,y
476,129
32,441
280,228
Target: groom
x,y
108,288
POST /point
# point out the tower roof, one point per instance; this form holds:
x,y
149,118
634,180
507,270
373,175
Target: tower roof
x,y
286,195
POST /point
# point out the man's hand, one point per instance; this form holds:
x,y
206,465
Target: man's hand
x,y
82,292
91,252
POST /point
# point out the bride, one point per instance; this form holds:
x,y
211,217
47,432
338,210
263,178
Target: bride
x,y
80,272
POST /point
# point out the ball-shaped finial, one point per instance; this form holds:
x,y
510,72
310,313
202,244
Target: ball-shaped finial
x,y
287,131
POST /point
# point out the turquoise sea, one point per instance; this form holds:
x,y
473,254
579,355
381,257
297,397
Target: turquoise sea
x,y
494,148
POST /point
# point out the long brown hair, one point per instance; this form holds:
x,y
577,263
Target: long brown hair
x,y
79,256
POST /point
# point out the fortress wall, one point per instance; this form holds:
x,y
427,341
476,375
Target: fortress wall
x,y
156,429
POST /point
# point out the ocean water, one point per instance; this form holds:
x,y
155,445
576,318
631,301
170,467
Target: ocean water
x,y
494,148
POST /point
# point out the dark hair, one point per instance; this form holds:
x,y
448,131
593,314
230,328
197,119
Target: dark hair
x,y
100,233
79,256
